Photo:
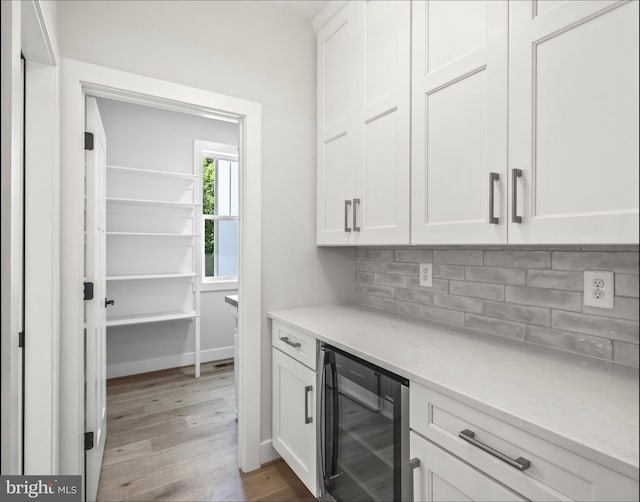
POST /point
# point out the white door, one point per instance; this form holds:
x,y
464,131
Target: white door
x,y
573,121
459,122
95,333
382,112
336,155
442,477
294,417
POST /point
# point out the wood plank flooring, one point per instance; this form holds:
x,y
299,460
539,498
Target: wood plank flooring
x,y
173,437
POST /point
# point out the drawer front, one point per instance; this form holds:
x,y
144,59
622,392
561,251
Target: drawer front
x,y
301,347
554,473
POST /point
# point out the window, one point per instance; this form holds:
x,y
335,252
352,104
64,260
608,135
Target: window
x,y
219,164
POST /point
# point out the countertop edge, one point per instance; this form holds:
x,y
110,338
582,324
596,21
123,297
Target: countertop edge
x,y
600,457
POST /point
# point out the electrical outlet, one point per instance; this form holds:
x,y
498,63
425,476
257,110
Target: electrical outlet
x,y
426,271
598,289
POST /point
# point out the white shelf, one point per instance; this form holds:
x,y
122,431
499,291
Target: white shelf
x,y
153,172
149,318
144,277
145,202
150,234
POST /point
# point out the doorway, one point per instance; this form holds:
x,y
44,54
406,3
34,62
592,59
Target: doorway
x,y
79,80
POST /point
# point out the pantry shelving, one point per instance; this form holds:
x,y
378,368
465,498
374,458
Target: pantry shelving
x,y
152,238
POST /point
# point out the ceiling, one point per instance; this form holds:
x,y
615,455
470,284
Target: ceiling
x,y
302,9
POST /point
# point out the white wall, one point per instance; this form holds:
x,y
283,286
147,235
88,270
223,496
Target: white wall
x,y
150,138
252,51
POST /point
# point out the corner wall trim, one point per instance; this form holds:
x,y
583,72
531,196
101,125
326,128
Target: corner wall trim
x,y
267,452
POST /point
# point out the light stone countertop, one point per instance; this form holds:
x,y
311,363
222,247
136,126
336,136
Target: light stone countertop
x,y
583,404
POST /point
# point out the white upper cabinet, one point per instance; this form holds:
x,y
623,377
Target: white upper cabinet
x,y
363,125
573,121
336,157
446,122
459,122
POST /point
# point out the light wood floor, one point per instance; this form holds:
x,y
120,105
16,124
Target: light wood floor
x,y
173,437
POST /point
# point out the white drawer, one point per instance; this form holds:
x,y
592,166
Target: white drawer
x,y
301,347
554,473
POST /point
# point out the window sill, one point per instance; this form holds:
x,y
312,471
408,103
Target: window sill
x,y
222,285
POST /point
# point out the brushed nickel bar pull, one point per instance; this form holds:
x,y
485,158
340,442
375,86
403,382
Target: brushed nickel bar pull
x,y
414,463
515,174
307,418
295,345
522,464
493,177
356,205
347,204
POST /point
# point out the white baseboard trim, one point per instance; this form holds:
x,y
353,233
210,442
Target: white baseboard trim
x,y
166,362
267,452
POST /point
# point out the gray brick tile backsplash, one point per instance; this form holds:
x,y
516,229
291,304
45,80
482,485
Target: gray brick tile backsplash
x,y
523,313
587,345
458,256
458,303
499,327
544,297
495,274
448,271
616,329
414,255
518,259
625,353
626,285
401,268
619,262
526,294
477,289
556,279
399,281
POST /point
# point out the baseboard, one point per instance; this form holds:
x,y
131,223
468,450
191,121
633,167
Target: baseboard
x,y
267,452
166,362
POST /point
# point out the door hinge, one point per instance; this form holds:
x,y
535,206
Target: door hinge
x,y
88,440
88,291
88,141
21,339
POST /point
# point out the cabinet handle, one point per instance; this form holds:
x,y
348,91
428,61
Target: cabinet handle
x,y
414,463
356,205
347,204
307,418
295,345
522,464
108,302
515,174
493,177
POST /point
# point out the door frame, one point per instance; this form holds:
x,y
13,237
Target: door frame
x,y
78,79
27,28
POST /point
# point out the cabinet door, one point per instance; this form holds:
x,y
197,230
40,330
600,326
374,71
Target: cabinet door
x,y
573,121
336,155
459,121
443,477
381,134
294,417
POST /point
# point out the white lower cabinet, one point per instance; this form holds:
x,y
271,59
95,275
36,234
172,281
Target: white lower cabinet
x,y
294,417
443,477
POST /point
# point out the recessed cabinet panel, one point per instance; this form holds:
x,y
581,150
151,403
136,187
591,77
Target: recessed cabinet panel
x,y
379,209
336,69
573,127
571,145
456,151
453,30
459,123
338,179
381,51
542,6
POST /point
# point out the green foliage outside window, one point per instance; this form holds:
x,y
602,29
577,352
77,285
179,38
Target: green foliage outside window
x,y
208,207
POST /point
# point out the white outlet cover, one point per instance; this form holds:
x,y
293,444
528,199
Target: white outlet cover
x,y
426,273
598,289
